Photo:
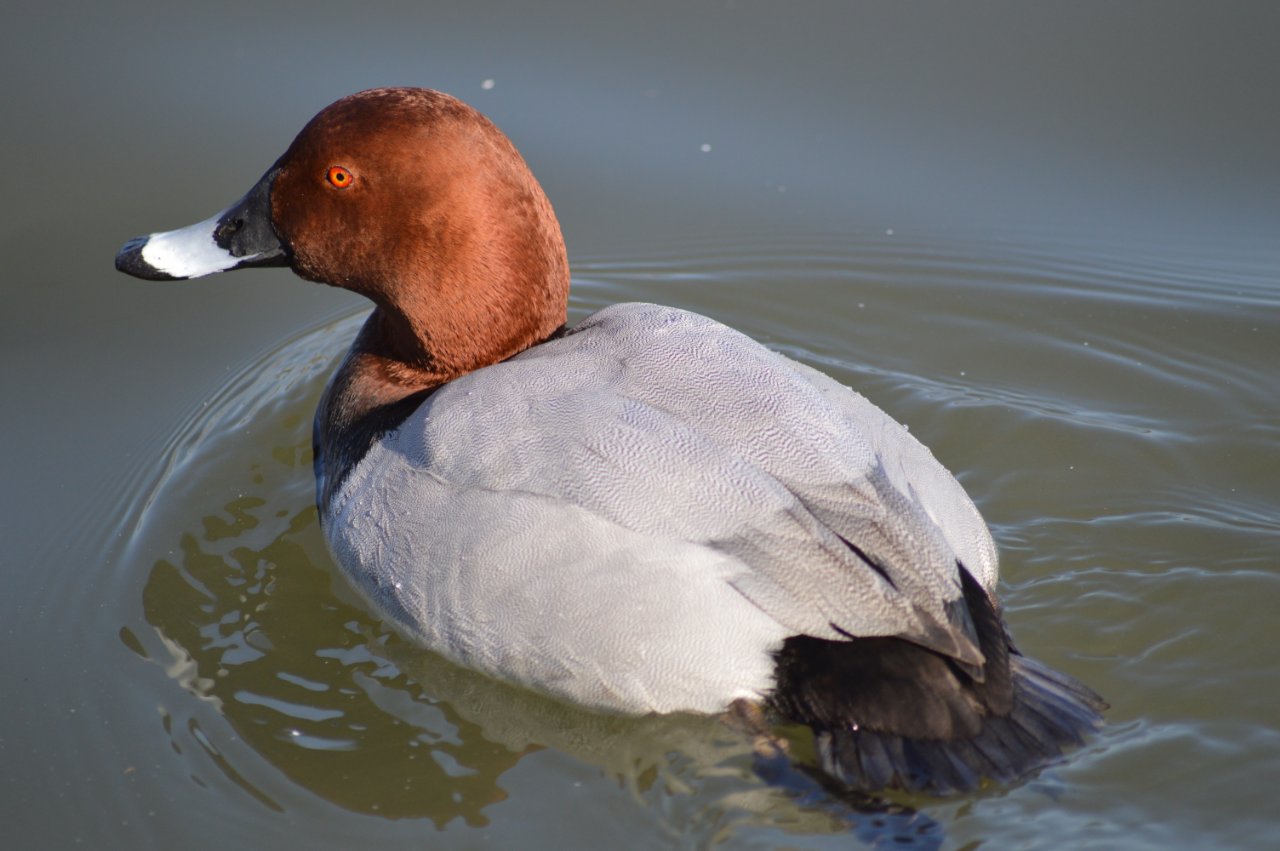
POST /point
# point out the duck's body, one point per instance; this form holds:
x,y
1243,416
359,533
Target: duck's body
x,y
636,514
646,513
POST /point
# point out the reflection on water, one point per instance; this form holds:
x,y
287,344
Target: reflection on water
x,y
298,675
246,614
246,617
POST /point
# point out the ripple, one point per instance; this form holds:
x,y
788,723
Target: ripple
x,y
1111,409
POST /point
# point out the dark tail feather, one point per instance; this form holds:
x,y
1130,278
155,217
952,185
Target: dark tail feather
x,y
1051,713
890,714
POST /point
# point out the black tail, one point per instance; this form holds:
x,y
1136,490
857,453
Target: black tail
x,y
887,713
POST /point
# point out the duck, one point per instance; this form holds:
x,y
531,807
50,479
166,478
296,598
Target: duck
x,y
646,512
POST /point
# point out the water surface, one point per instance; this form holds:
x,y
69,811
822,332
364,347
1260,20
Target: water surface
x,y
1042,237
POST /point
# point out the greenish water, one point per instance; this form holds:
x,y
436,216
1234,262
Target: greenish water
x,y
1042,237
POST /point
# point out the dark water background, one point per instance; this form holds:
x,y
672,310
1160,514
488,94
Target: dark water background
x,y
1043,235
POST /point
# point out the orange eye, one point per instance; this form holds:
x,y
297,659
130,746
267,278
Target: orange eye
x,y
339,177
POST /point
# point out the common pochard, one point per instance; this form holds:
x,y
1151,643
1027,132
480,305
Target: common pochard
x,y
647,512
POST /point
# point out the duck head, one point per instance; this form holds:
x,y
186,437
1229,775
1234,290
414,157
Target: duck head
x,y
412,199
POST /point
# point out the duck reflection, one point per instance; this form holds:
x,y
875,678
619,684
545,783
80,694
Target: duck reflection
x,y
249,615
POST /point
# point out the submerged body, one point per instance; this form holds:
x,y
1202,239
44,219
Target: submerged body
x,y
649,512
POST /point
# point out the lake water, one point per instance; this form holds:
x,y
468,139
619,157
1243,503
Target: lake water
x,y
1042,235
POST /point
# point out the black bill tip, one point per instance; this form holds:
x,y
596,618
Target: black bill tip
x,y
130,261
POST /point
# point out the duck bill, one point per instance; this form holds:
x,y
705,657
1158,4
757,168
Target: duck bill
x,y
238,237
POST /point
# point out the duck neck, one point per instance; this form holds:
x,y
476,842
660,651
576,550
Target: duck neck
x,y
372,393
388,373
394,356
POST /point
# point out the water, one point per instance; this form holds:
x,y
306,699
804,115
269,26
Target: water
x,y
1041,237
